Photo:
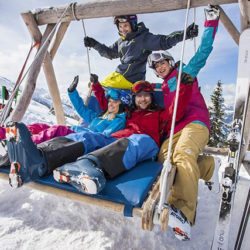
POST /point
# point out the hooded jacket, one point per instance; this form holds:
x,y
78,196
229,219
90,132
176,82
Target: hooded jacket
x,y
134,49
96,122
196,110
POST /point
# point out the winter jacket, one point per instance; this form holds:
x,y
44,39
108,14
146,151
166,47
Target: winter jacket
x,y
196,109
154,122
133,50
96,123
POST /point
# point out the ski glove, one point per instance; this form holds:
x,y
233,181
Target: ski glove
x,y
212,12
74,84
93,78
89,42
192,31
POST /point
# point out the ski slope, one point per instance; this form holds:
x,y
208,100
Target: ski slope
x,y
30,219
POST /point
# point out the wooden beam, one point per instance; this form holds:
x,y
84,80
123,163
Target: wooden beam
x,y
232,30
245,14
30,85
107,8
53,88
48,67
59,36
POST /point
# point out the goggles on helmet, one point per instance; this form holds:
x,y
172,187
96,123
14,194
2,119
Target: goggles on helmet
x,y
159,56
132,19
142,86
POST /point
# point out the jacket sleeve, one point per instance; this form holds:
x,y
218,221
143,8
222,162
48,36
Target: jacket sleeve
x,y
84,112
100,95
110,52
117,124
162,42
198,61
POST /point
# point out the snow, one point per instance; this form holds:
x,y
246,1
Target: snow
x,y
30,219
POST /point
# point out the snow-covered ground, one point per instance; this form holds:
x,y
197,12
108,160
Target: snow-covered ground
x,y
30,219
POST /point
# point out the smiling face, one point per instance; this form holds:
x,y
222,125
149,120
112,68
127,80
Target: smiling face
x,y
124,28
162,68
113,106
143,100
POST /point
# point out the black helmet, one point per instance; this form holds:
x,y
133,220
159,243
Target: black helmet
x,y
132,19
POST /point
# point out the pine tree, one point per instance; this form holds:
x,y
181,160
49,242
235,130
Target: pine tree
x,y
216,111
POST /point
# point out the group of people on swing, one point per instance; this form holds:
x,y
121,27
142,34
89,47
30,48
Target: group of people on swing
x,y
132,127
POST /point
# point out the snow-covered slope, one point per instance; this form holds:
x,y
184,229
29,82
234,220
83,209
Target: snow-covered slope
x,y
30,219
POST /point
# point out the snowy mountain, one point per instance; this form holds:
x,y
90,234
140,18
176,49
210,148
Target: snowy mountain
x,y
42,97
31,219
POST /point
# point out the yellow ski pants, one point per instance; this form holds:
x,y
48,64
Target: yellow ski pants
x,y
187,145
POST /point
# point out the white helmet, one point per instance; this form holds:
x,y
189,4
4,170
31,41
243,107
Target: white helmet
x,y
159,56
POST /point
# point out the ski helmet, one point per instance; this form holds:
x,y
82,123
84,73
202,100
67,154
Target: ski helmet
x,y
122,95
159,56
132,19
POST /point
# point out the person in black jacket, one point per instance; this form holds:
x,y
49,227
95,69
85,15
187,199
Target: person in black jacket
x,y
133,47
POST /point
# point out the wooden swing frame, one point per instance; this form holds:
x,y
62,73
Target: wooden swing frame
x,y
97,9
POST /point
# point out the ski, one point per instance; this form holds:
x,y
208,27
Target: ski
x,y
243,223
238,141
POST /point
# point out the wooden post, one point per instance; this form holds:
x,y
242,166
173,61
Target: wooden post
x,y
53,88
232,30
245,14
59,36
24,100
48,68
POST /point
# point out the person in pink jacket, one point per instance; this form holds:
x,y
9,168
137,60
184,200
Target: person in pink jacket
x,y
191,132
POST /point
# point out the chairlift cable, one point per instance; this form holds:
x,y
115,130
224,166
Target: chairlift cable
x,y
167,165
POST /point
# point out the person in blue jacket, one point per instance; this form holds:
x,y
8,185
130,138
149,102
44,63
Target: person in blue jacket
x,y
29,161
133,47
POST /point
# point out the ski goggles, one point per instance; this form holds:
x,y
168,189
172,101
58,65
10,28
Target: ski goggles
x,y
157,57
142,86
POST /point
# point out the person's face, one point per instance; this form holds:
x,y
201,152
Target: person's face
x,y
162,68
143,100
124,28
113,106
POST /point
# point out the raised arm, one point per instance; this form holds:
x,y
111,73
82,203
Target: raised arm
x,y
164,42
199,59
110,52
84,112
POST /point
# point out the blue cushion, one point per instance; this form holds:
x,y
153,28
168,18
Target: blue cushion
x,y
130,188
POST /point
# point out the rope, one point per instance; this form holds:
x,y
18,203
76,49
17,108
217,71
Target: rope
x,y
195,48
7,107
88,57
167,165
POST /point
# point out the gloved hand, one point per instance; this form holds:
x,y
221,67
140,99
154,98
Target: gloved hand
x,y
93,78
192,31
74,84
89,42
212,12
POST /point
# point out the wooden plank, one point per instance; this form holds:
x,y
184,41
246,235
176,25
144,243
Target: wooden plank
x,y
232,30
30,85
85,199
58,39
107,8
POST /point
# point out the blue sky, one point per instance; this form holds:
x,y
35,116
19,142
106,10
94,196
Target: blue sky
x,y
71,57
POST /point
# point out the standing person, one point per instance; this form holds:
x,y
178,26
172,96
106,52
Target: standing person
x,y
38,160
138,141
191,132
133,47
